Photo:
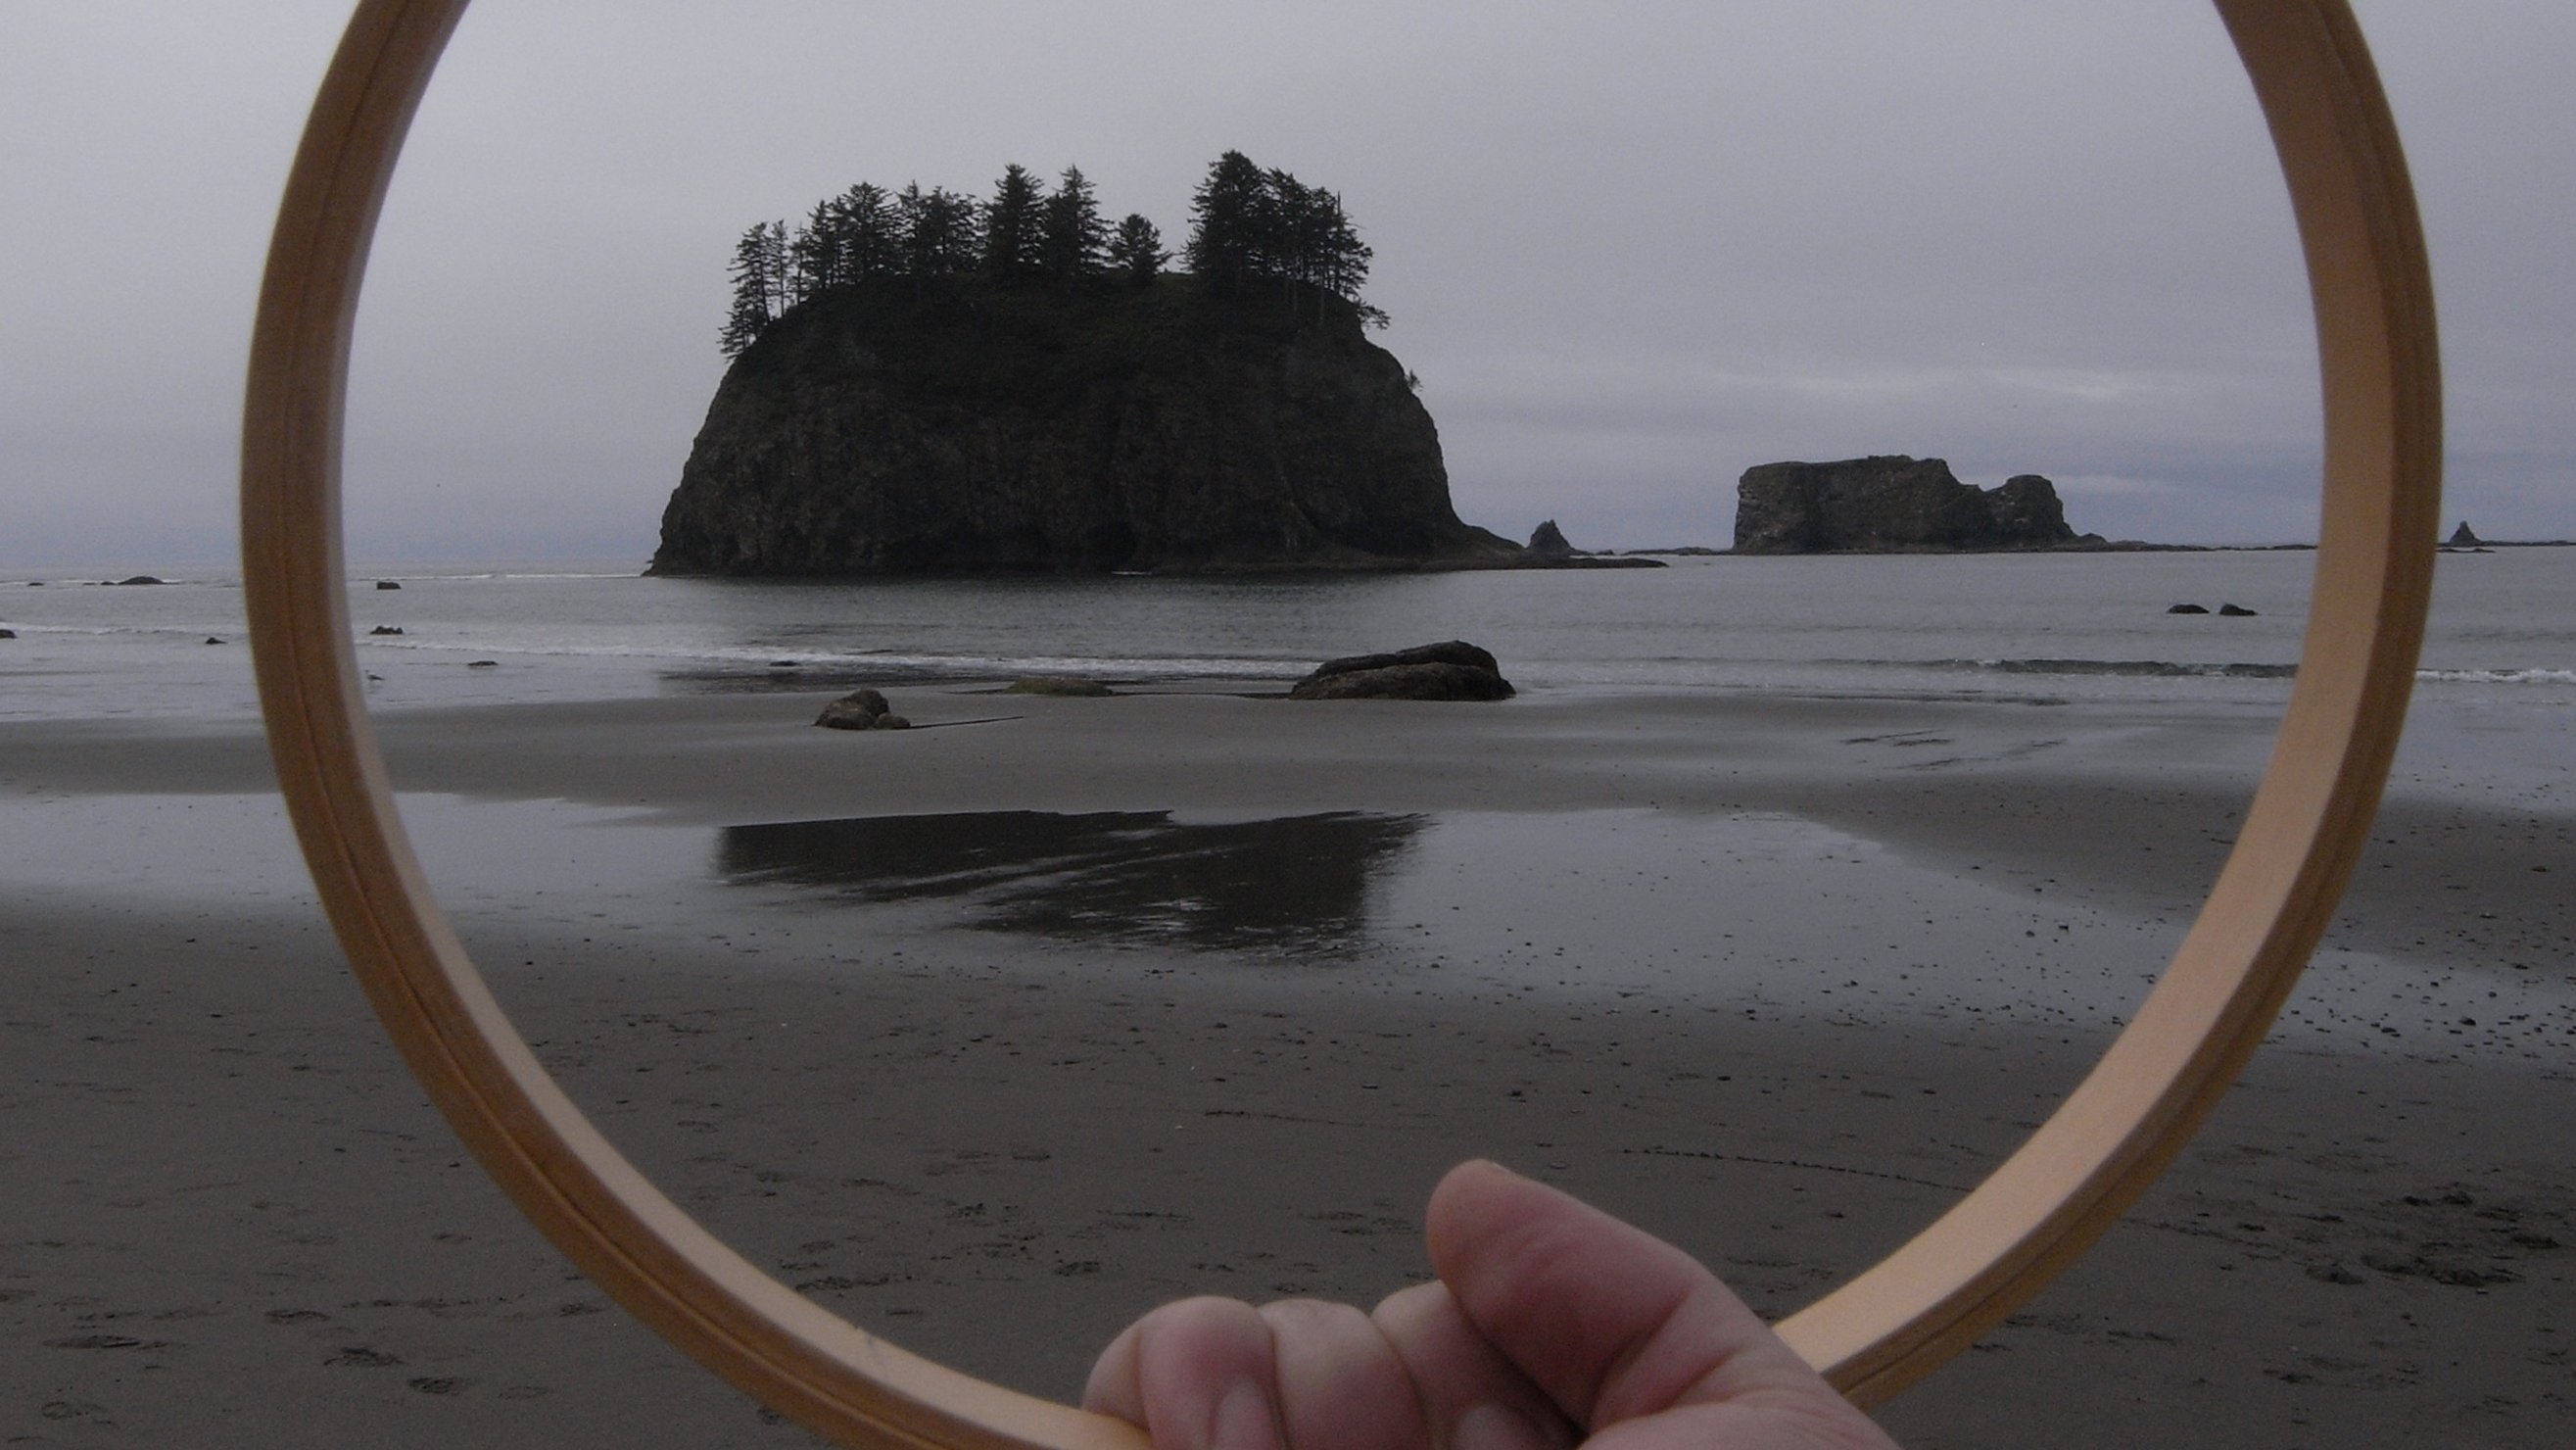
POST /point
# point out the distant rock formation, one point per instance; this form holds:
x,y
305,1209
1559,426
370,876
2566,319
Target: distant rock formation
x,y
1548,548
1548,541
1891,504
971,427
1450,670
2464,537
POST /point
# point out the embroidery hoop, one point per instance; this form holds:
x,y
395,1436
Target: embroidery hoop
x,y
1889,1326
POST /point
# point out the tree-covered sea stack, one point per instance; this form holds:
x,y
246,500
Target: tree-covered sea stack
x,y
922,384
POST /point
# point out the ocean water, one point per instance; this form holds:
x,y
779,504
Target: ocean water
x,y
1150,890
2065,626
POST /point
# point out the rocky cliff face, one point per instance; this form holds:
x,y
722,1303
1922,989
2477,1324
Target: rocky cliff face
x,y
1890,504
965,427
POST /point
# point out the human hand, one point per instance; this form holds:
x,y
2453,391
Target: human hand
x,y
1552,1323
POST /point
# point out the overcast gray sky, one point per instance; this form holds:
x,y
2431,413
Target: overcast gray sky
x,y
1631,248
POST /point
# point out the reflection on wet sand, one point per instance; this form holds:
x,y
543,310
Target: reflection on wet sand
x,y
1293,883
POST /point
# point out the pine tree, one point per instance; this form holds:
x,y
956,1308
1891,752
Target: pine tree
x,y
773,264
863,224
814,256
937,230
1284,223
1228,217
1341,258
1071,233
1136,252
957,241
750,314
1011,224
917,246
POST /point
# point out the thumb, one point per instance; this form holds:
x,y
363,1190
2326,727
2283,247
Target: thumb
x,y
1611,1322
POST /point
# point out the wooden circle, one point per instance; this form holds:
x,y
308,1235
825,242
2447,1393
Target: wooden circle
x,y
1891,1325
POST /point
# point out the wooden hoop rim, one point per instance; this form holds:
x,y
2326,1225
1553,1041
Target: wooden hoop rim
x,y
1884,1329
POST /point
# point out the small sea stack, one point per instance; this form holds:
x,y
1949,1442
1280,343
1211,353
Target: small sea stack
x,y
1891,503
1548,541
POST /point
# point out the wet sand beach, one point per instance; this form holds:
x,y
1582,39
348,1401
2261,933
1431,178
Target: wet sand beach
x,y
1776,978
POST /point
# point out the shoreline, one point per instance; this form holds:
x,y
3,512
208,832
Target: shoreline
x,y
995,1145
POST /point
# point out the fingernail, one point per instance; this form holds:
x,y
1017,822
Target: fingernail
x,y
1493,1427
1244,1420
